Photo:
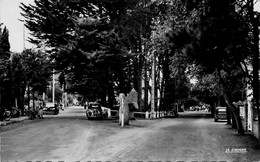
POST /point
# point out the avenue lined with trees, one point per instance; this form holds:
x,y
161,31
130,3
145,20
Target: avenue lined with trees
x,y
100,47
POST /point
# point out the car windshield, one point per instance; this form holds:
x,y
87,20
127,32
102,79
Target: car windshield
x,y
49,105
94,106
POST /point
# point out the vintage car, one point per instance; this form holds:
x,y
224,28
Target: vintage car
x,y
172,113
94,111
220,113
50,109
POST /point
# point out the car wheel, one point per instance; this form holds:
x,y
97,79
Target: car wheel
x,y
215,120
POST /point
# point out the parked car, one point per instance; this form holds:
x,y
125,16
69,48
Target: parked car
x,y
220,113
50,108
94,111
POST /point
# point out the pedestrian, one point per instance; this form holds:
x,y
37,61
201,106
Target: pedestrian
x,y
86,105
40,112
56,106
61,106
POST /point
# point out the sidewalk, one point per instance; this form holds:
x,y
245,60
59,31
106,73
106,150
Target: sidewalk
x,y
13,120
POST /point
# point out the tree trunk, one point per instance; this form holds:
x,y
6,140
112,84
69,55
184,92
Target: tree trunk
x,y
228,115
145,87
166,79
234,123
1,105
111,95
123,110
33,99
22,99
233,109
255,22
140,71
103,97
28,94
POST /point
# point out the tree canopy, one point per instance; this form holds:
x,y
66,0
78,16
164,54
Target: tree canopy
x,y
99,47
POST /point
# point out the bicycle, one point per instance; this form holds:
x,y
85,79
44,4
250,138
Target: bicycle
x,y
7,115
31,114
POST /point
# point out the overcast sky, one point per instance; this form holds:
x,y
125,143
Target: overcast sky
x,y
9,15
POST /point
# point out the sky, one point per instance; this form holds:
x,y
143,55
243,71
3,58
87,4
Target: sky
x,y
10,15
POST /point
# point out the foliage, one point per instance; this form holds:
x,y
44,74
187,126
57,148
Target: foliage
x,y
206,89
218,43
5,83
36,69
58,94
93,42
4,50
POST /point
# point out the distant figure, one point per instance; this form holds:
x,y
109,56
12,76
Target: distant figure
x,y
61,106
132,100
85,105
40,113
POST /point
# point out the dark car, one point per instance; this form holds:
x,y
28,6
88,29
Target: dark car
x,y
94,111
50,109
220,113
172,113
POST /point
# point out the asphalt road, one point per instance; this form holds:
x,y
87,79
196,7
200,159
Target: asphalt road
x,y
69,136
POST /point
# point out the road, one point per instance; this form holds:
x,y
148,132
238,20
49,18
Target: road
x,y
69,136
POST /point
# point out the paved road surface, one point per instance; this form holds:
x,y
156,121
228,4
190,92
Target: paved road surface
x,y
69,136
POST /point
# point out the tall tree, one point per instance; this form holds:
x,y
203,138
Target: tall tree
x,y
92,41
36,70
4,64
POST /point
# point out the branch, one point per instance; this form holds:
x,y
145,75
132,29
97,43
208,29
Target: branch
x,y
244,68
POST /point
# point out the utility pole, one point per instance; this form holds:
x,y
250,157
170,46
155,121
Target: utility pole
x,y
53,88
153,87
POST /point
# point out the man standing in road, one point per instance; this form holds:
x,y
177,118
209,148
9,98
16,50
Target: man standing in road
x,y
132,99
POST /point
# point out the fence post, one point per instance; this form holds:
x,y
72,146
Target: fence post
x,y
109,113
146,115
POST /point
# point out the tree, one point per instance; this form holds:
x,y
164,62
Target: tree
x,y
94,42
222,56
36,71
206,90
4,64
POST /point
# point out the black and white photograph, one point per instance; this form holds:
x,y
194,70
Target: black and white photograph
x,y
129,80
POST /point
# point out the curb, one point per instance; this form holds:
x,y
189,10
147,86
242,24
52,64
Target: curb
x,y
15,120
